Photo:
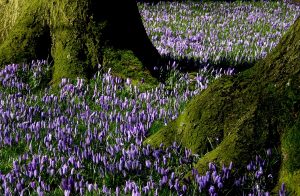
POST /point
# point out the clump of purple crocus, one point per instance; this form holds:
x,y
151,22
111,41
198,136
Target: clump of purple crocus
x,y
256,179
88,138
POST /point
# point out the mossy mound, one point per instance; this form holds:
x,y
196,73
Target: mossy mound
x,y
239,116
125,64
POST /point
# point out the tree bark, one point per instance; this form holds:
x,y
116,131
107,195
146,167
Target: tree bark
x,y
248,113
77,35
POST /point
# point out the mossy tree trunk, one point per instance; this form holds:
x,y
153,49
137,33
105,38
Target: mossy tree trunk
x,y
248,113
76,34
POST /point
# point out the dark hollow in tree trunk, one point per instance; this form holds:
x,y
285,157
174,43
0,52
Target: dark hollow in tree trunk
x,y
80,34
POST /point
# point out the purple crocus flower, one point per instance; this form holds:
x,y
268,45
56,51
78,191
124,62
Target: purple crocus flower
x,y
39,191
282,190
64,184
211,190
117,191
67,193
220,185
91,187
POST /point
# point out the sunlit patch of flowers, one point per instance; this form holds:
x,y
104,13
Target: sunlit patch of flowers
x,y
215,32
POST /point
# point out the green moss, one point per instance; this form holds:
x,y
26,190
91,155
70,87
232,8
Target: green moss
x,y
13,9
66,53
125,64
76,40
205,122
28,38
291,180
166,136
291,146
290,169
157,125
74,35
